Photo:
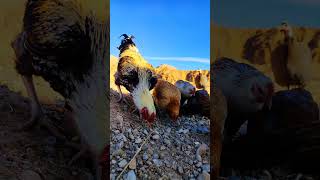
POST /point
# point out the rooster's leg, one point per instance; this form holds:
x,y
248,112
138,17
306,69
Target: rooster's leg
x,y
120,93
37,115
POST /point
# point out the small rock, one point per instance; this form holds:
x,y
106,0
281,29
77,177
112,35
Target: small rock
x,y
133,164
138,141
122,163
29,175
124,138
145,156
201,150
155,137
205,168
187,153
135,132
162,155
155,156
131,136
204,176
199,164
157,162
162,148
167,142
168,130
145,132
131,175
116,131
113,161
180,169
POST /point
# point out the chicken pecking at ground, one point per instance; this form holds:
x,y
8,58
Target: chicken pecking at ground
x,y
138,77
198,104
167,97
187,90
246,89
66,43
299,57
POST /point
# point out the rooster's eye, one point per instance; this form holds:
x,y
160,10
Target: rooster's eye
x,y
153,82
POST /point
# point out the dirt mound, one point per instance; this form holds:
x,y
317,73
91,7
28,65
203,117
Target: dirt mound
x,y
34,150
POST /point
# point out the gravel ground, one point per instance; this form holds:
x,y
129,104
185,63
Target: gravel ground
x,y
174,150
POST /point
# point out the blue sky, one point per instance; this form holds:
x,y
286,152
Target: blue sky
x,y
166,31
266,13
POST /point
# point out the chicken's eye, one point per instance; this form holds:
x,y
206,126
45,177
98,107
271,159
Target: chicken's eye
x,y
153,82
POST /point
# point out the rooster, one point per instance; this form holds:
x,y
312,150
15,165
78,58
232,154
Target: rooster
x,y
138,77
299,57
67,43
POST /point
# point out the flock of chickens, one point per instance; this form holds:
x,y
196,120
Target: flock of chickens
x,y
241,92
151,93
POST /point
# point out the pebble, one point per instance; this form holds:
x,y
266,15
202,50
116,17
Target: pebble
x,y
155,156
204,176
29,175
162,148
155,137
167,142
145,132
201,150
145,156
116,131
133,164
131,175
199,164
122,163
135,132
124,138
157,162
138,141
205,168
180,169
113,161
131,136
168,130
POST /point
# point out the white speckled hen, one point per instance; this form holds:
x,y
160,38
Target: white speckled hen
x,y
67,43
138,77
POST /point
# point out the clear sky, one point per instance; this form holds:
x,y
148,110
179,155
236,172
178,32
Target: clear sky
x,y
266,13
171,32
